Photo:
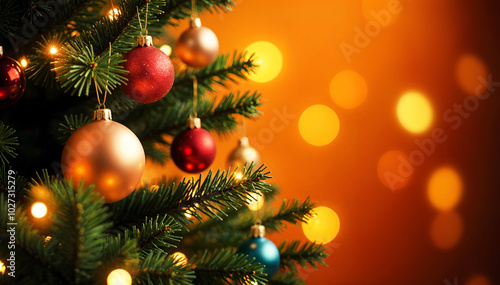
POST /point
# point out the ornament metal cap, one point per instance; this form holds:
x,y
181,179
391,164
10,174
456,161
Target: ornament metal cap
x,y
195,23
144,41
194,123
257,231
102,114
244,142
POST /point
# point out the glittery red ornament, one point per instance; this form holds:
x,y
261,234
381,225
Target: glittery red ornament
x,y
151,73
12,81
193,150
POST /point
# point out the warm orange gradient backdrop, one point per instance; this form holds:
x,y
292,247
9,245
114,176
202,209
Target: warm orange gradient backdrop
x,y
386,236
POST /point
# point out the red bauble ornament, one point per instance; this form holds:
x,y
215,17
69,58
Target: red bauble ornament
x,y
193,150
12,80
151,73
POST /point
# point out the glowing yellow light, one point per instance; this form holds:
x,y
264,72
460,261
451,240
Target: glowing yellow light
x,y
444,188
47,238
154,188
414,112
2,267
319,125
467,71
189,212
269,59
39,210
166,49
113,14
119,277
393,169
53,50
180,258
446,230
239,175
348,89
24,62
381,12
478,280
323,227
256,201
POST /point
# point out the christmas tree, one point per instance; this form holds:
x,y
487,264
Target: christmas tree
x,y
88,218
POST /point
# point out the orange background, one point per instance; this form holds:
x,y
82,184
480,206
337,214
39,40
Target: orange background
x,y
386,237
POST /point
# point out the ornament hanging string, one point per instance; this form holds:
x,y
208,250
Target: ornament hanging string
x,y
195,95
145,21
194,15
103,104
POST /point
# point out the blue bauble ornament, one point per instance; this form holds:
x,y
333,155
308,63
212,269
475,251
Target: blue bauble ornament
x,y
264,250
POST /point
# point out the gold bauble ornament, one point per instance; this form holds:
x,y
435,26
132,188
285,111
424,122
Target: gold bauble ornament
x,y
198,46
242,154
106,154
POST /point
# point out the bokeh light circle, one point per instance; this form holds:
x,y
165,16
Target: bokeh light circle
x,y
39,210
319,125
256,201
394,169
119,277
414,112
444,188
323,227
467,72
348,89
446,230
268,58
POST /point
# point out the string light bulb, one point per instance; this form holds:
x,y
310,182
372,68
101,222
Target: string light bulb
x,y
180,258
53,50
39,210
113,14
2,268
166,49
23,62
119,277
255,201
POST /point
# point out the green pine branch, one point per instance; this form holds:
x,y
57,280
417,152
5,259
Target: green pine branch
x,y
226,67
9,15
80,223
159,268
8,143
181,9
198,196
232,216
40,70
224,267
286,278
230,233
73,122
307,253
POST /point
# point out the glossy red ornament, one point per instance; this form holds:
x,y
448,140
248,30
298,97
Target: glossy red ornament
x,y
193,150
151,72
12,81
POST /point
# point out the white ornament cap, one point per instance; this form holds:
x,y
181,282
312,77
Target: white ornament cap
x,y
194,123
195,23
244,142
144,41
102,114
257,231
